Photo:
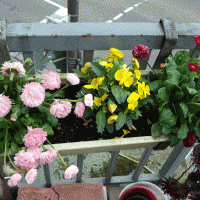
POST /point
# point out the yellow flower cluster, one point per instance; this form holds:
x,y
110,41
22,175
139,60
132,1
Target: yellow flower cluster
x,y
126,132
96,82
115,54
86,67
97,100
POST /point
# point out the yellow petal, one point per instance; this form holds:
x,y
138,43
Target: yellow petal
x,y
129,81
104,97
133,96
112,107
136,64
125,131
88,86
137,74
103,63
112,119
97,101
119,74
109,59
116,52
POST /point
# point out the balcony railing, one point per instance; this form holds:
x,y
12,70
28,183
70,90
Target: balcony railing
x,y
87,37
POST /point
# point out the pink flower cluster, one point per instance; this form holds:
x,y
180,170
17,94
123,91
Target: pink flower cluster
x,y
28,161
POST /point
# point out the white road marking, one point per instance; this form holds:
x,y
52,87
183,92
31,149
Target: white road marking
x,y
136,5
55,4
118,16
109,21
129,9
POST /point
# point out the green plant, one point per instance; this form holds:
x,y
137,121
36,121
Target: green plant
x,y
177,97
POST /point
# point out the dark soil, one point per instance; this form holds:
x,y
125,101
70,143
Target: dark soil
x,y
74,129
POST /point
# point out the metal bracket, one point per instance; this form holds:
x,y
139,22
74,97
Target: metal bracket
x,y
171,39
4,51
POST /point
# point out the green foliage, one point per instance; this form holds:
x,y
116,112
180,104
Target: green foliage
x,y
177,98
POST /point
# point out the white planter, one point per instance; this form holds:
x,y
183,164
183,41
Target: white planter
x,y
156,190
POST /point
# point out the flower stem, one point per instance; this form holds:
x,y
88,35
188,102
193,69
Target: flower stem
x,y
192,50
12,75
37,63
57,91
57,153
152,69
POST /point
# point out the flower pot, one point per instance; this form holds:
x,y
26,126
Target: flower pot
x,y
142,190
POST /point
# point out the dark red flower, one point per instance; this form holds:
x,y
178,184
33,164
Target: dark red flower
x,y
140,51
190,140
197,40
193,67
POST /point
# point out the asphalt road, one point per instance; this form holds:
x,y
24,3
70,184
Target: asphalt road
x,y
180,11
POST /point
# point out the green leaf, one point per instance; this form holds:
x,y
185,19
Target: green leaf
x,y
173,76
47,128
81,74
191,91
197,131
193,107
129,120
18,138
183,131
14,148
25,110
174,141
119,93
98,59
98,69
166,131
155,85
121,119
156,130
1,77
134,116
193,75
167,118
162,93
26,120
110,128
190,117
101,121
184,109
52,119
198,85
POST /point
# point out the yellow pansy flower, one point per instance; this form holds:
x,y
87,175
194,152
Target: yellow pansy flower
x,y
116,52
109,59
112,119
97,101
137,74
142,90
124,76
109,65
136,64
104,97
86,67
124,66
133,100
112,107
96,82
103,63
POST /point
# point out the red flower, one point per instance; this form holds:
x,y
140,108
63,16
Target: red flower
x,y
190,140
162,64
197,40
193,67
140,51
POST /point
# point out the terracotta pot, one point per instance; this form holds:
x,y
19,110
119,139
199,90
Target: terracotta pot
x,y
142,191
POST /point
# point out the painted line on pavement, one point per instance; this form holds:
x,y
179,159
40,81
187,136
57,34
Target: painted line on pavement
x,y
125,11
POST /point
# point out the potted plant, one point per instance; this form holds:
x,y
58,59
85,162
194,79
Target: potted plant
x,y
176,95
142,191
191,186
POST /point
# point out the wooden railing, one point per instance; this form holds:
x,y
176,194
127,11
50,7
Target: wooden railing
x,y
87,37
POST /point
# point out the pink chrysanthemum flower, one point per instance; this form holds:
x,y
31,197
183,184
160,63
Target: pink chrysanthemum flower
x,y
73,78
25,160
60,110
5,105
14,180
16,67
71,172
31,176
88,100
47,157
33,94
52,81
36,152
80,109
35,138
